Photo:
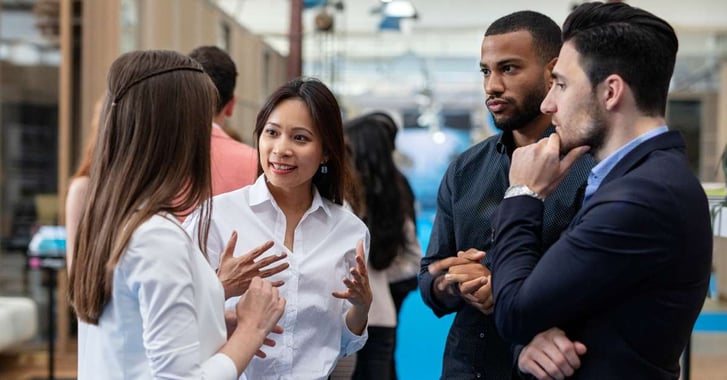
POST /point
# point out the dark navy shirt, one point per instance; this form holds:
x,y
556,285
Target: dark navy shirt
x,y
471,189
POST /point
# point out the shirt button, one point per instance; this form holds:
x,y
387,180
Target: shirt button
x,y
479,375
482,335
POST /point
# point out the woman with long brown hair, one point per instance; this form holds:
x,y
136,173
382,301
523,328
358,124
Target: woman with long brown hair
x,y
148,303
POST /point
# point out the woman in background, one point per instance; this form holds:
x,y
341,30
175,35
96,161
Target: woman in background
x,y
297,203
395,251
148,303
76,195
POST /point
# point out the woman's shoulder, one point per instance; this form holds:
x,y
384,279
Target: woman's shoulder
x,y
160,231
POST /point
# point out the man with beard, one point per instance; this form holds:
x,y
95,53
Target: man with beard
x,y
518,53
629,275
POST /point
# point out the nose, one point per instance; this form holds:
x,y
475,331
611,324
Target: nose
x,y
494,85
548,105
281,147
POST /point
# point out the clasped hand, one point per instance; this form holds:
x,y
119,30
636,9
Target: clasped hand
x,y
466,277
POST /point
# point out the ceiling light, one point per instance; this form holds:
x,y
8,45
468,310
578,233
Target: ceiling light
x,y
399,9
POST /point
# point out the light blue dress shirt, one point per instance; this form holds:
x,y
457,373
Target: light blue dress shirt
x,y
601,170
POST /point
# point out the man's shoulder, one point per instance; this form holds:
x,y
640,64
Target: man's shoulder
x,y
479,149
477,153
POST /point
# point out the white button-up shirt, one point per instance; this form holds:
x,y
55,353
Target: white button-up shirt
x,y
315,335
165,318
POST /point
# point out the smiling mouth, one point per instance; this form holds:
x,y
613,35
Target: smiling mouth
x,y
281,166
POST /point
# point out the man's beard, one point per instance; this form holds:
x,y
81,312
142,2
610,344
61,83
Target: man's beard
x,y
596,132
524,114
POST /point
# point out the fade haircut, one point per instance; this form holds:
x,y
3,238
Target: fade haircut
x,y
220,67
545,32
615,38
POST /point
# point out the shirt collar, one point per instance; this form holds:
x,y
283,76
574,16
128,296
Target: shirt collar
x,y
601,170
259,194
604,167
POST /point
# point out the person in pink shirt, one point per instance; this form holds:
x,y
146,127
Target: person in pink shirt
x,y
234,164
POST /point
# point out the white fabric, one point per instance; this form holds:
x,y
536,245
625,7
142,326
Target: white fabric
x,y
19,320
165,318
405,265
315,335
407,262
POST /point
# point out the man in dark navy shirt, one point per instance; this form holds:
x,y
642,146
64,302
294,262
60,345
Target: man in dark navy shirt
x,y
518,54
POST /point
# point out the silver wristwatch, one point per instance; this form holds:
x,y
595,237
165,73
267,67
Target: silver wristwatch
x,y
517,190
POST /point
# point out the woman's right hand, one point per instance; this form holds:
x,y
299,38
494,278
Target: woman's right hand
x,y
259,309
258,312
235,273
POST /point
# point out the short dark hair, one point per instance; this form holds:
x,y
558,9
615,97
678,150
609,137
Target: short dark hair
x,y
615,38
220,67
326,115
545,32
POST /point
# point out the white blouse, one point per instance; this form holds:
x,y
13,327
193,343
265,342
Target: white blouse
x,y
165,318
315,333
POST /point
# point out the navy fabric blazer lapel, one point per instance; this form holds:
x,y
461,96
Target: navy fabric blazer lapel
x,y
668,140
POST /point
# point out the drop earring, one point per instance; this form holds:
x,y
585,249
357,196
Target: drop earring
x,y
324,168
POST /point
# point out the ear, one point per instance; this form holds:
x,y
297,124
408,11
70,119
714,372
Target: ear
x,y
613,91
549,71
229,108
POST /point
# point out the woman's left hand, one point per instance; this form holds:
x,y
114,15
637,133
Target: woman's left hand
x,y
358,294
359,291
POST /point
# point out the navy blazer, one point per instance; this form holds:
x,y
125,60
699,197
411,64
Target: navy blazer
x,y
627,278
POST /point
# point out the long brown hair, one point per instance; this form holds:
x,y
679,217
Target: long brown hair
x,y
326,115
151,155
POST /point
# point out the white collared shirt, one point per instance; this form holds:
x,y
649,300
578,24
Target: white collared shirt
x,y
165,318
315,333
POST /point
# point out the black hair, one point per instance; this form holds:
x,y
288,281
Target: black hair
x,y
220,67
546,33
389,200
615,38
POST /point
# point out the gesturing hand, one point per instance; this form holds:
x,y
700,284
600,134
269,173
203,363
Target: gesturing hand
x,y
358,291
235,273
260,308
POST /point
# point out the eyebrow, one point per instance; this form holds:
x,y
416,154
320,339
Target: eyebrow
x,y
507,61
556,76
295,129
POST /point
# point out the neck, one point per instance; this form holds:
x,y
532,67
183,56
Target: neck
x,y
531,132
293,202
623,129
219,119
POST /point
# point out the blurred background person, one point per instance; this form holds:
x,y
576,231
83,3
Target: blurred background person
x,y
78,187
234,164
395,251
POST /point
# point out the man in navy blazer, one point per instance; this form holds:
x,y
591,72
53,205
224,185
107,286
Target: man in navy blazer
x,y
627,279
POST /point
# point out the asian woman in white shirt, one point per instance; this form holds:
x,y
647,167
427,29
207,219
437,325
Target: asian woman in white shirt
x,y
297,203
148,303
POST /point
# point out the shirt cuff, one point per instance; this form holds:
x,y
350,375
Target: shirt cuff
x,y
220,366
351,342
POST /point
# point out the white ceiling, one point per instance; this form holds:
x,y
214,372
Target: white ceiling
x,y
451,27
439,52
